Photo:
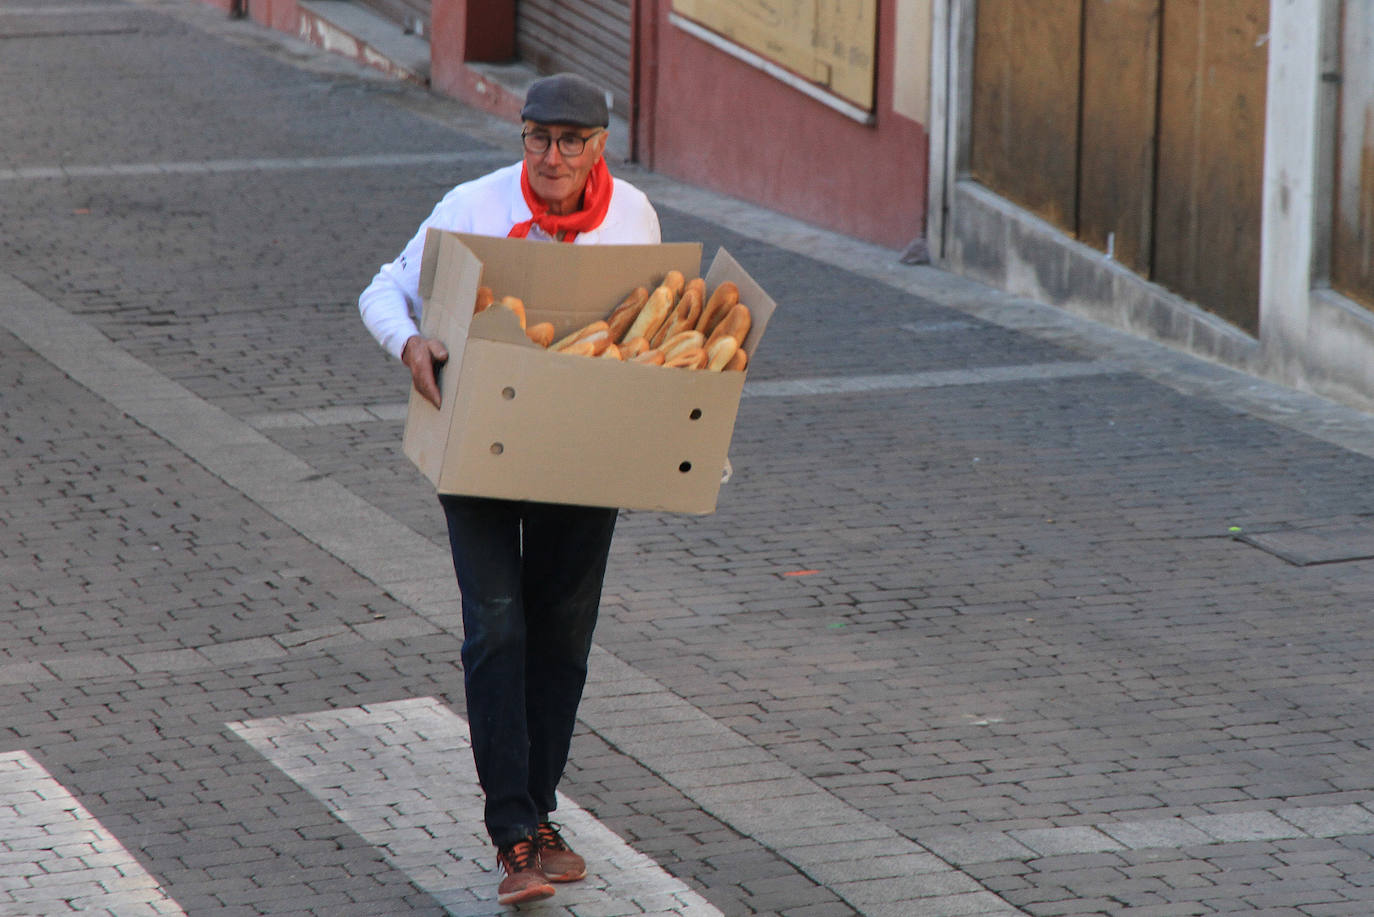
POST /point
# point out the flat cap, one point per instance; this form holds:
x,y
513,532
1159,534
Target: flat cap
x,y
566,98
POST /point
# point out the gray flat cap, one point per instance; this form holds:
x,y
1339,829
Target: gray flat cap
x,y
566,98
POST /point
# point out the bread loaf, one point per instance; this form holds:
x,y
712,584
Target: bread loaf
x,y
674,281
685,340
736,324
541,333
623,316
719,354
690,358
685,315
599,340
655,313
485,298
722,300
634,347
580,333
515,305
583,348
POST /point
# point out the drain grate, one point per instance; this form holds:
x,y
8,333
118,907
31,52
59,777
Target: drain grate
x,y
1306,547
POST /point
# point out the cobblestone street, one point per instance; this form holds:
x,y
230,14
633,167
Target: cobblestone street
x,y
1002,613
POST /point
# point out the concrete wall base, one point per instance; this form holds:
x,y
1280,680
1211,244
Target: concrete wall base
x,y
994,241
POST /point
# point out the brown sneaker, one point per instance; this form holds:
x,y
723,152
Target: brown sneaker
x,y
524,880
556,858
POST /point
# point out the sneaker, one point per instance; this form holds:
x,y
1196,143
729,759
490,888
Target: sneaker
x,y
556,858
524,880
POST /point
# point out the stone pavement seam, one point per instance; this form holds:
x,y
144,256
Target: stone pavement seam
x,y
1287,823
222,166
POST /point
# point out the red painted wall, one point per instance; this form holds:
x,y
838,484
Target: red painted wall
x,y
714,121
473,30
282,15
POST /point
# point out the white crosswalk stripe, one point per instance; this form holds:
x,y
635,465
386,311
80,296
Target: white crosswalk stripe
x,y
400,774
56,858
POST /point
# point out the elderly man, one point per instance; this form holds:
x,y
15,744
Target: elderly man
x,y
530,574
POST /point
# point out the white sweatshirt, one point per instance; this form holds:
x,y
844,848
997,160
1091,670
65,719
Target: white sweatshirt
x,y
486,206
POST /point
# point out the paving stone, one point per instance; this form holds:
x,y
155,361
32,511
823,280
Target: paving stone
x,y
1030,619
1061,841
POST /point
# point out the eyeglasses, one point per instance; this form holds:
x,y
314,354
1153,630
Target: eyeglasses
x,y
569,145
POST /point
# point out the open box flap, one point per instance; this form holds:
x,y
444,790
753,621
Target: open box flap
x,y
724,267
448,275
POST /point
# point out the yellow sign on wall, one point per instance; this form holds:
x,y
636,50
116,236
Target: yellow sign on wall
x,y
829,42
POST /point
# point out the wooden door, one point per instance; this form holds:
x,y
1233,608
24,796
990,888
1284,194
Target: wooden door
x,y
1352,237
1136,126
1214,73
1116,173
1025,104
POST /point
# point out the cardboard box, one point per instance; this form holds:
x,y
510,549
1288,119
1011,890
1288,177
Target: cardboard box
x,y
520,422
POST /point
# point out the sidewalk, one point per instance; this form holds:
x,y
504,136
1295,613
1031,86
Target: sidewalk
x,y
1002,612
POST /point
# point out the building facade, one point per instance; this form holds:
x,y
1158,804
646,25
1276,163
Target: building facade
x,y
816,108
1200,172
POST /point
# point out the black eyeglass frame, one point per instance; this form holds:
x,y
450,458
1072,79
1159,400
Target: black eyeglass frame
x,y
563,142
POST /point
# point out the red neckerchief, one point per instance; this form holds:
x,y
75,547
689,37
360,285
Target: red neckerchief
x,y
596,200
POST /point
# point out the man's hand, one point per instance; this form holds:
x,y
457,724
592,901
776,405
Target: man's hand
x,y
422,356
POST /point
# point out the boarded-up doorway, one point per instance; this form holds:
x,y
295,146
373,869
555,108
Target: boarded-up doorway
x,y
1352,256
1137,126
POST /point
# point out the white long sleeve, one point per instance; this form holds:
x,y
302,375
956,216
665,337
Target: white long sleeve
x,y
488,206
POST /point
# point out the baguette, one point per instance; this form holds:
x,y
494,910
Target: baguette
x,y
651,357
541,334
655,313
722,300
611,352
685,340
698,284
599,340
738,362
675,281
685,315
623,315
719,354
485,297
583,348
598,325
515,305
736,324
691,358
634,347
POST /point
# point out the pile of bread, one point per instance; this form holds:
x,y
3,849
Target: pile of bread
x,y
676,324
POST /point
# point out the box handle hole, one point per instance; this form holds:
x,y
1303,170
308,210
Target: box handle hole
x,y
508,393
497,448
696,414
685,467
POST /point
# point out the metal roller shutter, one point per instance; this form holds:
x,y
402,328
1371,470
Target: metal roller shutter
x,y
587,37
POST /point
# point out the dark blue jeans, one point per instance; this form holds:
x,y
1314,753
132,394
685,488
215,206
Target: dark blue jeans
x,y
530,576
